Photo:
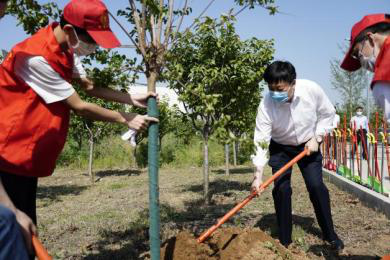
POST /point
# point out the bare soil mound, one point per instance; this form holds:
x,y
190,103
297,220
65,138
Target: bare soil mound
x,y
226,244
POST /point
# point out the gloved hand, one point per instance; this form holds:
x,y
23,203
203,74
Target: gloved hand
x,y
130,135
257,180
312,145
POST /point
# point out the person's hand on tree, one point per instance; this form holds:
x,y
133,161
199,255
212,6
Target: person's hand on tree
x,y
140,100
138,122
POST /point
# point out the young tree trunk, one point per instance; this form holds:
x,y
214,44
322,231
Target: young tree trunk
x,y
234,153
227,170
153,167
90,162
206,196
135,164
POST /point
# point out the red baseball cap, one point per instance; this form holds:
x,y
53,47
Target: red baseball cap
x,y
349,63
92,15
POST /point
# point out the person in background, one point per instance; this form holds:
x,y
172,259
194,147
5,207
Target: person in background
x,y
37,96
360,121
370,49
12,245
295,115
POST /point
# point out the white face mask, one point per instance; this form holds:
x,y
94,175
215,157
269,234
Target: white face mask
x,y
359,113
368,63
82,48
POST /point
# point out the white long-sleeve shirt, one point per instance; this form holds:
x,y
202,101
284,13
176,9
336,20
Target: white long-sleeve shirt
x,y
309,114
44,80
336,121
359,121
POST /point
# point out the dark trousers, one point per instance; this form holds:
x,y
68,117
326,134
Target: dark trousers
x,y
22,192
311,168
359,140
12,244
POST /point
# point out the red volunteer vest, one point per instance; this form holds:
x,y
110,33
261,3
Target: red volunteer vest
x,y
382,64
32,133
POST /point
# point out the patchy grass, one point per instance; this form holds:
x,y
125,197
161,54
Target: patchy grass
x,y
109,220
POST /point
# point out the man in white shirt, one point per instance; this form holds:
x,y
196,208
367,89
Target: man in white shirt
x,y
360,121
294,115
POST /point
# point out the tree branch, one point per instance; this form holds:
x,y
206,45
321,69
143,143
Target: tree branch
x,y
180,22
193,23
126,32
153,30
140,29
200,15
168,29
242,9
160,21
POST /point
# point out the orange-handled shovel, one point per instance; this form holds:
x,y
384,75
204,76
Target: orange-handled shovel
x,y
234,210
40,251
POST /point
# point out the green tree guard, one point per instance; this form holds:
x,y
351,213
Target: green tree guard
x,y
153,164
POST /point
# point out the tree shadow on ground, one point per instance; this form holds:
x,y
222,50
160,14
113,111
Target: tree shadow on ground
x,y
269,223
326,252
52,193
134,241
220,186
118,172
245,170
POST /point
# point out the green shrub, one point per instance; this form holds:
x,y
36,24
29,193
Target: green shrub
x,y
112,152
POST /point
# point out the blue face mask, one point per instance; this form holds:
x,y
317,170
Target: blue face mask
x,y
279,96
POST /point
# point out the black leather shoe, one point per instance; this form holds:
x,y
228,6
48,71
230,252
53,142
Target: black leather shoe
x,y
337,245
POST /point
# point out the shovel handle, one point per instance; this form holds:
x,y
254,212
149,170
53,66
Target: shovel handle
x,y
40,250
240,205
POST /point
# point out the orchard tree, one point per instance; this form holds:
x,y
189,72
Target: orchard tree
x,y
240,128
155,25
216,76
350,85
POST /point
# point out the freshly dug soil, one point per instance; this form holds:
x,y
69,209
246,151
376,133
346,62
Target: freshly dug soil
x,y
226,244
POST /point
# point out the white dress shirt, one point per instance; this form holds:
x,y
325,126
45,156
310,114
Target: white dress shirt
x,y
336,121
381,93
44,80
360,121
309,114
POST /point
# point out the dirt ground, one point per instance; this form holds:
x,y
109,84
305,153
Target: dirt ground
x,y
109,220
228,243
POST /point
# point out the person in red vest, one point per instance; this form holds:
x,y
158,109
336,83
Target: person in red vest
x,y
12,245
36,97
370,50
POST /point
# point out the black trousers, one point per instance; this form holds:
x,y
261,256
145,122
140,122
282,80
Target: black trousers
x,y
311,168
22,192
359,139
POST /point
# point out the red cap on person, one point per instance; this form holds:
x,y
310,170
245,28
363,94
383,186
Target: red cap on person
x,y
92,15
349,63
